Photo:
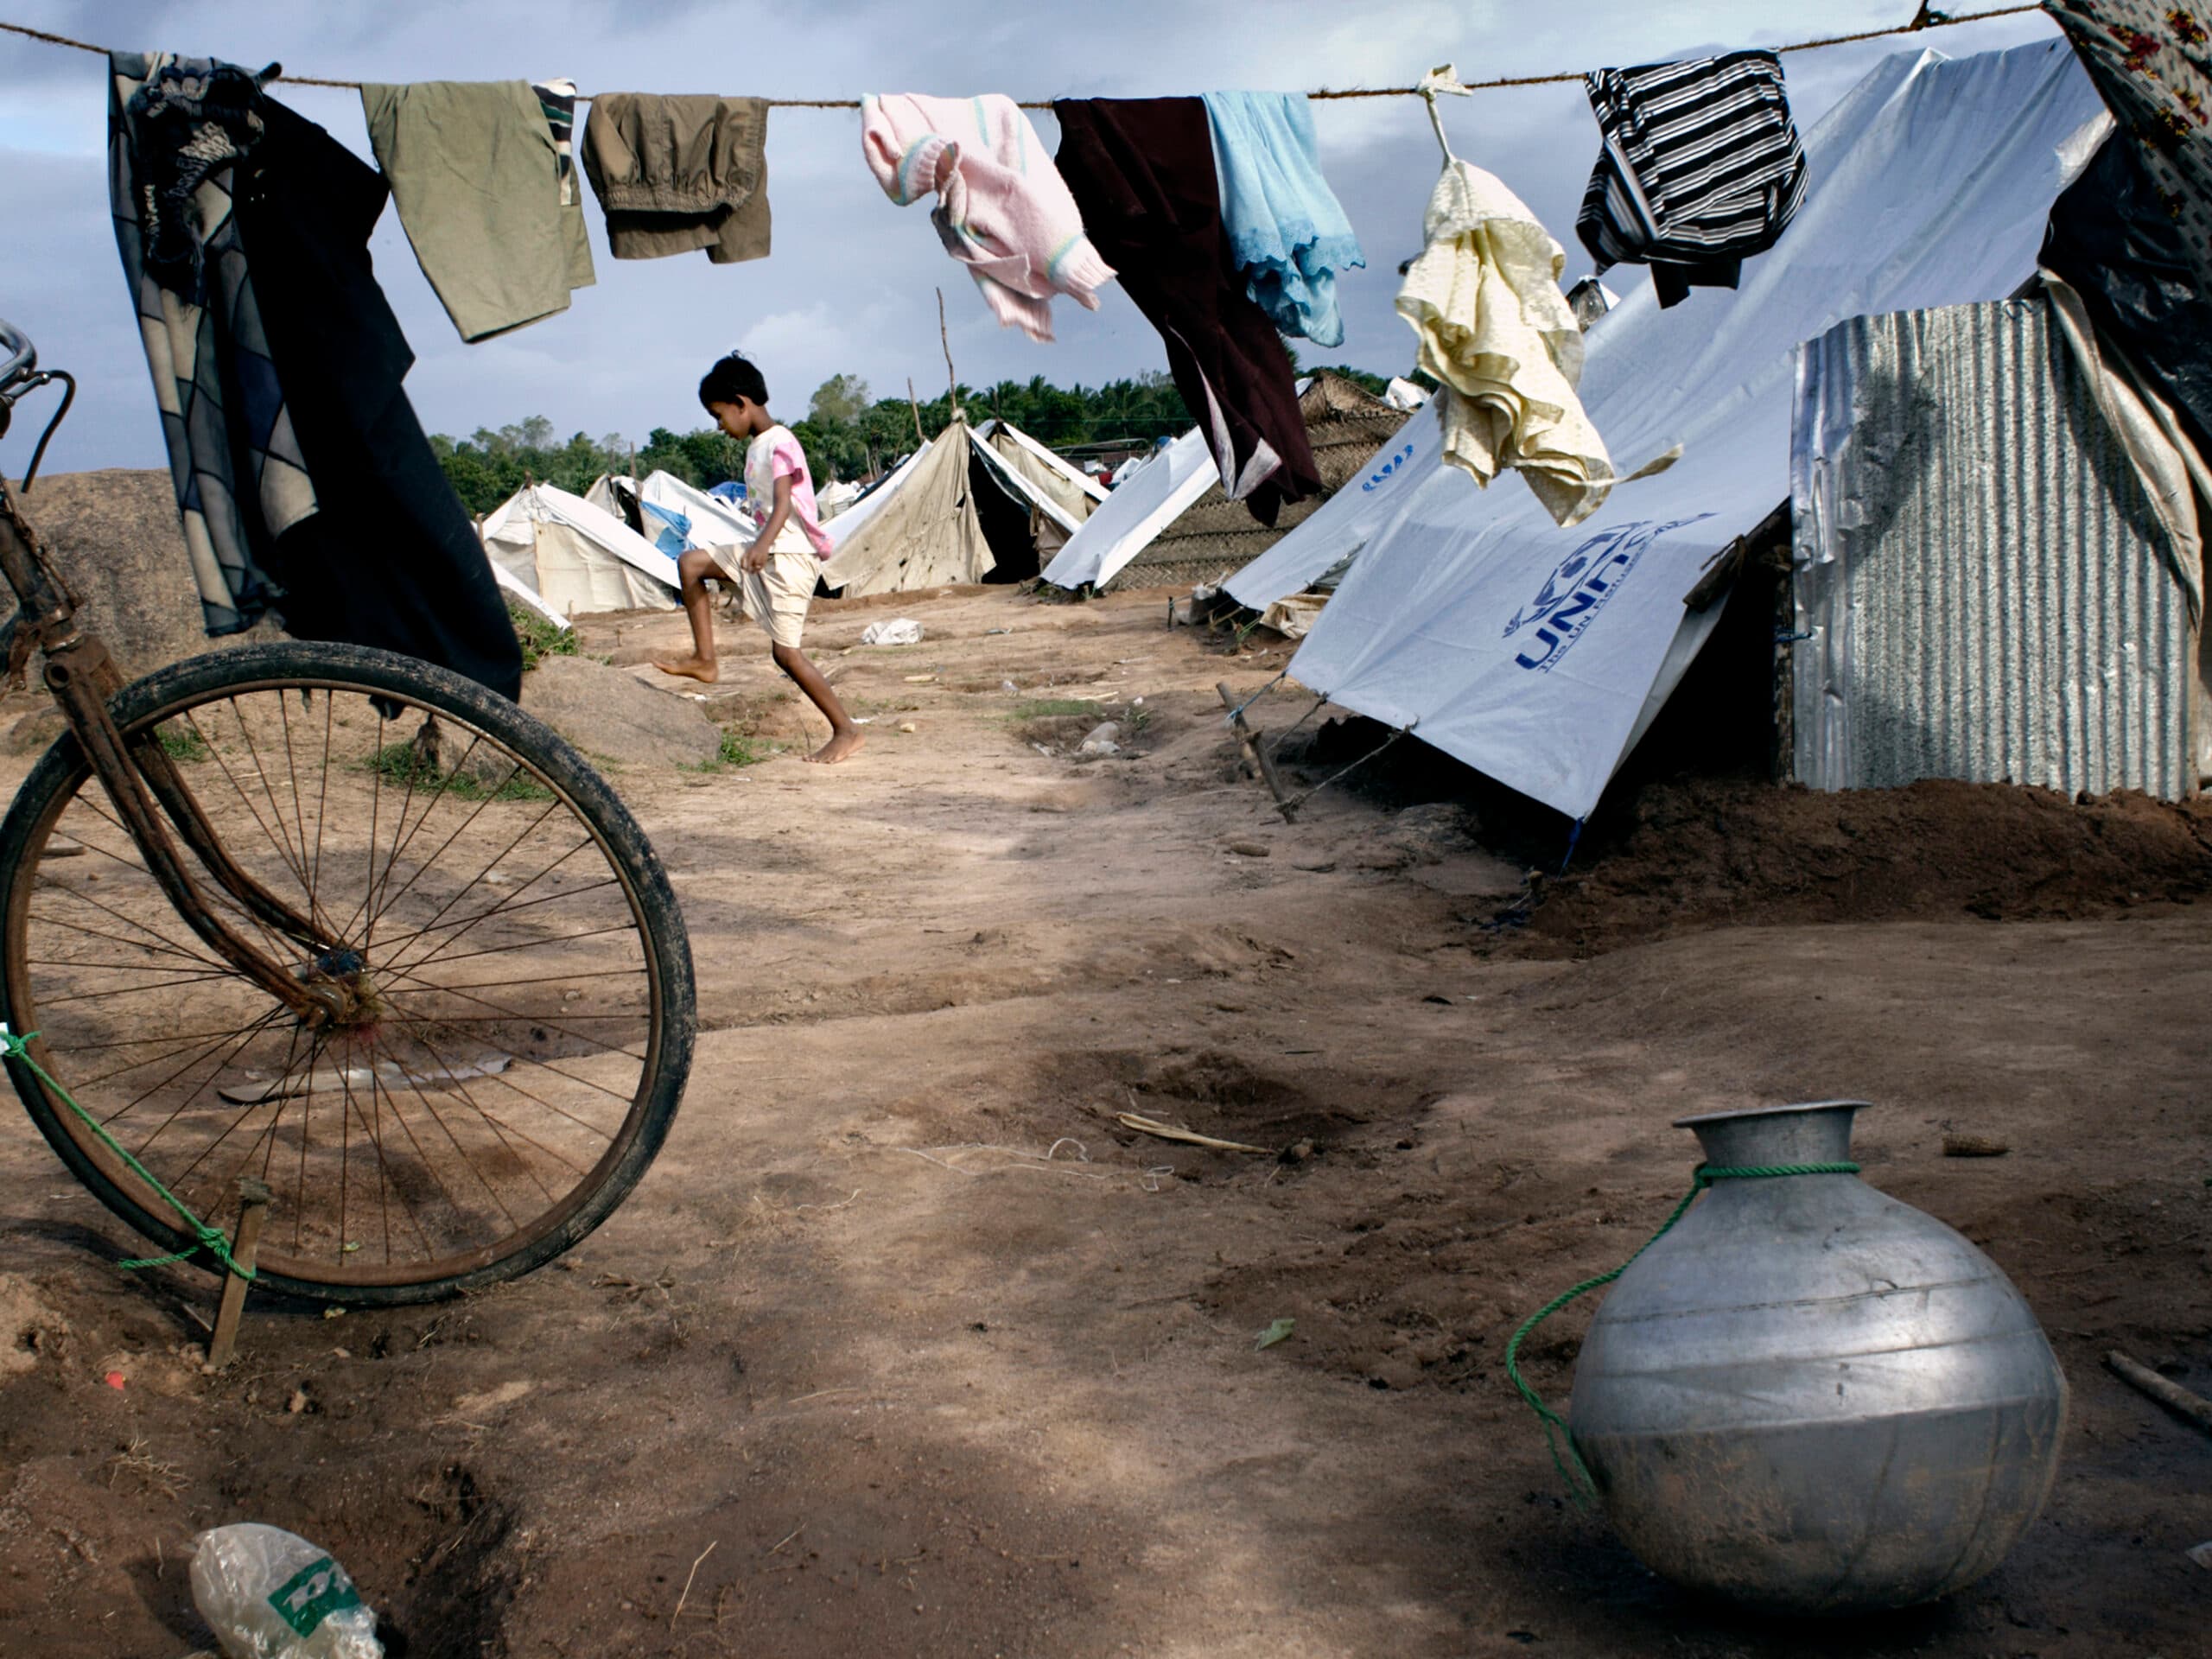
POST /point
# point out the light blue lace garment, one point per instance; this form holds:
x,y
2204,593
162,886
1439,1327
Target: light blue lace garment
x,y
1286,228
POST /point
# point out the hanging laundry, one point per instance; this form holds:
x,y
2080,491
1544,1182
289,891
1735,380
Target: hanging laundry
x,y
678,172
2141,278
1003,210
1702,167
2151,61
1497,336
1141,172
303,479
474,167
557,102
1286,230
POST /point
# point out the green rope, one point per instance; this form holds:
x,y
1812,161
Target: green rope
x,y
1581,1483
212,1240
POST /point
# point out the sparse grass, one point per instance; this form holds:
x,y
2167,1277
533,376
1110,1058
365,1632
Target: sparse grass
x,y
738,749
149,1473
1048,708
181,742
405,765
539,637
1135,719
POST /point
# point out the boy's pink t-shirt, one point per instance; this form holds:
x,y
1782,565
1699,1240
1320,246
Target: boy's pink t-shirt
x,y
776,454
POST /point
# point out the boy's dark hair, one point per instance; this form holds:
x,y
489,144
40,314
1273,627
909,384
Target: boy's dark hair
x,y
733,377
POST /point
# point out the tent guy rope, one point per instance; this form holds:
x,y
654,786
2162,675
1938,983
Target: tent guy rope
x,y
1925,18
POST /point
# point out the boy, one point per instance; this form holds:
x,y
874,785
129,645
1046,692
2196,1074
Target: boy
x,y
776,573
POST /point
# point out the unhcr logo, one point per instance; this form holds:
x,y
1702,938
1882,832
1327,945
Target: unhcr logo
x,y
1578,589
1388,467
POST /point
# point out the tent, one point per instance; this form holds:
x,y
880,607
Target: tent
x,y
1206,534
671,514
577,558
953,511
1540,655
1342,524
1047,476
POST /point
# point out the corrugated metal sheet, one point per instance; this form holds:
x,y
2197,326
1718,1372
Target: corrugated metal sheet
x,y
1982,589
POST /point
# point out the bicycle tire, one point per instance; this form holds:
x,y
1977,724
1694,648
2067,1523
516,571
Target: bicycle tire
x,y
59,778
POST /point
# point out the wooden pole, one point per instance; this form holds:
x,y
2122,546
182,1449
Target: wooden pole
x,y
2174,1398
253,1210
1255,752
951,380
917,408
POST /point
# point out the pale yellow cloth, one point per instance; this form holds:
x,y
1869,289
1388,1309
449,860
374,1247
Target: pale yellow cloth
x,y
776,598
1497,334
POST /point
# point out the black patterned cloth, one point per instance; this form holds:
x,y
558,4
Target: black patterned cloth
x,y
240,479
2153,63
305,482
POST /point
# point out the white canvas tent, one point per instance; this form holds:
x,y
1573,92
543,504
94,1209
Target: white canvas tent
x,y
674,515
577,558
1060,489
1539,655
1344,524
924,525
1145,503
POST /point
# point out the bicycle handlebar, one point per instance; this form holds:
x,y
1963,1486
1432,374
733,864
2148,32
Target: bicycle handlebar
x,y
22,356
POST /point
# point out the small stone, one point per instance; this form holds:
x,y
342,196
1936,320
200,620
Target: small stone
x,y
298,1402
1974,1145
1248,848
2202,1554
905,725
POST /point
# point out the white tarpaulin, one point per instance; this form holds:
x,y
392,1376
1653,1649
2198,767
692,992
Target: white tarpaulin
x,y
1155,496
1538,655
578,558
1345,522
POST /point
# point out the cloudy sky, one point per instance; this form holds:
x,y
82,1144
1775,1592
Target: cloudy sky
x,y
848,288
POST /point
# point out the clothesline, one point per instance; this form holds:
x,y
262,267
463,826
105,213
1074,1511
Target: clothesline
x,y
1925,18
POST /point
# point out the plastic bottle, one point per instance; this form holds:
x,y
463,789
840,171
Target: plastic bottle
x,y
270,1594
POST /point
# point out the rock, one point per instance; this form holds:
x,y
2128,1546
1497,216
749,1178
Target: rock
x,y
612,714
31,734
28,1327
1103,739
1249,849
116,536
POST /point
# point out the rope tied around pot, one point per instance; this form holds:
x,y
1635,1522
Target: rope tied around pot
x,y
212,1240
1581,1485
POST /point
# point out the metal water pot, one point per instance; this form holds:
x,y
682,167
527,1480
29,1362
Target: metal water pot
x,y
1808,1397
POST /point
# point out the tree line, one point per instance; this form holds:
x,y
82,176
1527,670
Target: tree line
x,y
848,433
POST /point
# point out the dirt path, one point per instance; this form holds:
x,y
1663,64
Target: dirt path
x,y
907,1346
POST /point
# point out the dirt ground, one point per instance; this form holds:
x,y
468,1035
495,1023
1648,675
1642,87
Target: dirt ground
x,y
907,1346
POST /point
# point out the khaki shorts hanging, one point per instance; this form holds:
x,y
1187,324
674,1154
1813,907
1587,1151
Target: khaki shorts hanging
x,y
776,598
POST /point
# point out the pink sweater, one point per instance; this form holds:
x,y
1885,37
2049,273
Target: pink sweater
x,y
1002,209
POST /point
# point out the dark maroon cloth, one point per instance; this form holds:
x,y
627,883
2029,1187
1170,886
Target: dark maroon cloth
x,y
1142,174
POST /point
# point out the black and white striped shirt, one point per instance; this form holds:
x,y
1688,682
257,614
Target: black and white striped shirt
x,y
1701,167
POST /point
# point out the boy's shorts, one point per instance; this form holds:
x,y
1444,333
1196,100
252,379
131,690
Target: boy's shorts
x,y
776,598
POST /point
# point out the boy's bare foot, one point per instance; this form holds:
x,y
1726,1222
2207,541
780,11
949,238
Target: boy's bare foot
x,y
843,746
692,668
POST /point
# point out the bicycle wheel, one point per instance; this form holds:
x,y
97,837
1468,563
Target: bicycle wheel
x,y
518,1015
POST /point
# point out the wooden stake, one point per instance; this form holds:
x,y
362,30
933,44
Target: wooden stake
x,y
253,1210
951,380
917,408
1254,754
2174,1398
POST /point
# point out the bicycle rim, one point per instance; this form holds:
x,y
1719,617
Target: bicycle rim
x,y
515,984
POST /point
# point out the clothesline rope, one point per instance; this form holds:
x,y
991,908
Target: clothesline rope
x,y
1925,18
